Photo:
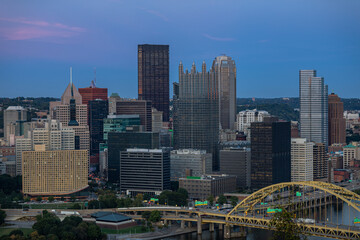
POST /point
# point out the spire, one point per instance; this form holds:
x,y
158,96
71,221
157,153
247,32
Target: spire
x,y
71,84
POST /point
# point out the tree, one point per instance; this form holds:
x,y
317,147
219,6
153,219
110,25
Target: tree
x,y
234,201
51,199
155,216
38,198
16,232
138,202
2,217
222,199
93,204
26,199
285,226
210,198
94,232
184,192
76,206
146,215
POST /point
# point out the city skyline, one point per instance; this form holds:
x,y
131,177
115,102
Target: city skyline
x,y
38,45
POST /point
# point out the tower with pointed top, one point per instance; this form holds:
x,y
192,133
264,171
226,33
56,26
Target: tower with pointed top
x,y
196,111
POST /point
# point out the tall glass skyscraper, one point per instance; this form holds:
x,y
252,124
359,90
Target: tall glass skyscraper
x,y
153,76
196,111
225,71
313,107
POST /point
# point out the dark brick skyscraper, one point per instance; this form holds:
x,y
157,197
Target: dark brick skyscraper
x,y
153,76
337,124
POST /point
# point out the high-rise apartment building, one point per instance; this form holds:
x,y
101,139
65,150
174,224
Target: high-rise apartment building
x,y
225,72
197,161
351,153
136,107
313,107
337,123
58,172
301,160
153,76
98,111
144,171
196,111
270,153
120,141
237,162
320,167
12,115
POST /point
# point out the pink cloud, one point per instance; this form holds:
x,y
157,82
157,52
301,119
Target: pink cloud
x,y
37,29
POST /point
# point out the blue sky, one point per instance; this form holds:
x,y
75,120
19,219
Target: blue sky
x,y
269,40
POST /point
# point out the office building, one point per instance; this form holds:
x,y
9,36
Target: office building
x,y
12,115
22,145
270,153
351,153
301,160
144,171
245,118
119,123
136,107
320,167
157,120
225,72
120,141
200,188
153,76
313,107
98,111
60,172
337,123
196,112
92,93
198,161
237,162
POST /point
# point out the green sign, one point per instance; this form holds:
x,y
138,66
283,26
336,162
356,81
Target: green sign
x,y
86,204
356,220
198,203
190,177
263,203
154,199
298,194
275,210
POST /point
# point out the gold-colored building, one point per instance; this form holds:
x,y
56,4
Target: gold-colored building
x,y
58,172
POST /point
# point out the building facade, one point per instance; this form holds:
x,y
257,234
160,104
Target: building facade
x,y
245,118
351,153
313,107
337,122
237,162
225,71
60,172
270,153
196,111
301,160
136,107
144,171
197,161
98,111
12,115
200,188
320,167
120,141
153,76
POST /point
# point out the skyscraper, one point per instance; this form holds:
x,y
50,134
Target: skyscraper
x,y
225,71
11,115
98,110
136,107
301,160
153,76
337,123
196,111
270,153
313,107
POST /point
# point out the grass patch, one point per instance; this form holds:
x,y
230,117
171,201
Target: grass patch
x,y
54,206
6,231
135,229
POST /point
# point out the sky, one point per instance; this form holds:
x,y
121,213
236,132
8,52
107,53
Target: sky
x,y
270,42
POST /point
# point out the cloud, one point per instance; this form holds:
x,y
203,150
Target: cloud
x,y
155,13
218,38
25,29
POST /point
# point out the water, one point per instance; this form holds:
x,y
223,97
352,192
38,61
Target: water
x,y
344,217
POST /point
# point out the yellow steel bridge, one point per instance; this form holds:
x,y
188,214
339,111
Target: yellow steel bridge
x,y
320,209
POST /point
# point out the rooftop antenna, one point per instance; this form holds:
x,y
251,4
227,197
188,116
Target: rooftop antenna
x,y
71,75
